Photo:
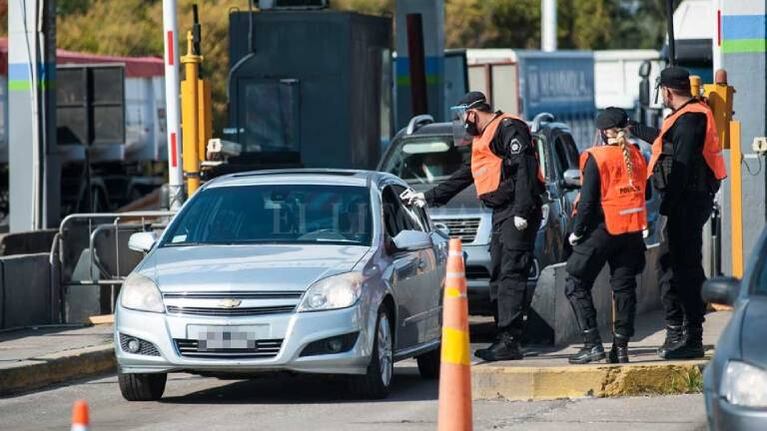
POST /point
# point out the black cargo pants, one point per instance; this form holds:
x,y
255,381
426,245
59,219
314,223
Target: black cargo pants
x,y
511,255
626,256
681,261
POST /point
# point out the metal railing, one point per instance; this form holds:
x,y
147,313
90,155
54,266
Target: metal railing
x,y
98,275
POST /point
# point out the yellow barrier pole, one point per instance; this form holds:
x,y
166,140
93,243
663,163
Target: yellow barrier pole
x,y
205,118
190,117
736,200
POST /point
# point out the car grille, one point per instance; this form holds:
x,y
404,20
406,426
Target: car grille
x,y
475,272
463,228
244,311
238,295
249,303
263,349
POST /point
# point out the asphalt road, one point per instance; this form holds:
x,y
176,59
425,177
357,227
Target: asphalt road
x,y
310,403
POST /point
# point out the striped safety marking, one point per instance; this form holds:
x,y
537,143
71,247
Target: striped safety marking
x,y
631,211
173,151
171,48
455,347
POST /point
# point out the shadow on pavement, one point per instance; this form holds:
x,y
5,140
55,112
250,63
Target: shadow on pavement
x,y
309,389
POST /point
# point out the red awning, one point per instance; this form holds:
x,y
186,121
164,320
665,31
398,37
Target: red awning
x,y
135,67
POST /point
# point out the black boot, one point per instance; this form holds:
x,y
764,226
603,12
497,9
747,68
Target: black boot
x,y
674,338
690,348
619,353
592,349
505,348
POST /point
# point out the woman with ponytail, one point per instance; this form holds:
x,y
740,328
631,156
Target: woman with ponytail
x,y
608,226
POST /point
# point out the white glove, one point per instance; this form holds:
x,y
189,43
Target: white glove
x,y
645,233
573,239
520,223
411,197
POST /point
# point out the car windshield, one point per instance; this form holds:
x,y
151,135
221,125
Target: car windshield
x,y
274,214
427,160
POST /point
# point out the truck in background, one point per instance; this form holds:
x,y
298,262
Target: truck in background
x,y
528,83
115,108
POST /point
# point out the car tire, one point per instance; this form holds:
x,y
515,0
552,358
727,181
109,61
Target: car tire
x,y
376,382
429,364
142,387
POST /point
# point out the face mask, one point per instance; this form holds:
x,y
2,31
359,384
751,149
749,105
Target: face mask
x,y
471,127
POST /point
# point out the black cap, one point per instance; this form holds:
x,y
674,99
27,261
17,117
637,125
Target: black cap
x,y
473,99
612,117
675,77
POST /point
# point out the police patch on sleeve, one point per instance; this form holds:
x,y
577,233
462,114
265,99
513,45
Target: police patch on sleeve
x,y
516,146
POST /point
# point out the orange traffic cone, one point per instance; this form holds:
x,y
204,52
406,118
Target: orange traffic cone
x,y
455,371
80,420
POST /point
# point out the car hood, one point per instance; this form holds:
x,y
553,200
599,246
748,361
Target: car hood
x,y
753,331
248,267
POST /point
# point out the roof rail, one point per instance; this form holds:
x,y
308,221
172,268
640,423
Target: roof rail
x,y
543,117
417,122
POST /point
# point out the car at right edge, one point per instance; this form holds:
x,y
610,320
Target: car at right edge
x,y
735,381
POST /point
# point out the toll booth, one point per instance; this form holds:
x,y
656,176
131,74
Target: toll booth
x,y
308,88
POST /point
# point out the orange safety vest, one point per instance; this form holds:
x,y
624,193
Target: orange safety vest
x,y
485,165
712,151
622,197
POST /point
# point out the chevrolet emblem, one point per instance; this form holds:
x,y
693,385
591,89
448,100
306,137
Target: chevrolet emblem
x,y
229,303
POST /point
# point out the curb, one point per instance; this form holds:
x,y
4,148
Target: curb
x,y
548,383
57,368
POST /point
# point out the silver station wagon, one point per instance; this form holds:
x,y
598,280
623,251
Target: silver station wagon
x,y
298,270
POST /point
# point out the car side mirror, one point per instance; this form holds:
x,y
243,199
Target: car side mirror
x,y
442,229
412,240
572,178
721,290
142,241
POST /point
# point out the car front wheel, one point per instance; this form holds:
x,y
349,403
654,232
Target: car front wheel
x,y
142,387
376,383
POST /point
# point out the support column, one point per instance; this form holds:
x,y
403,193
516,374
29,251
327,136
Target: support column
x,y
34,172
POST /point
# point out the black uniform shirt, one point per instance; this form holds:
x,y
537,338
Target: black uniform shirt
x,y
688,169
589,214
519,191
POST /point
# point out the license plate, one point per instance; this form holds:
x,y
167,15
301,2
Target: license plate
x,y
226,337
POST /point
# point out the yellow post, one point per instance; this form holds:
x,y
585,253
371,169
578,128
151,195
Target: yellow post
x,y
720,98
190,117
736,198
695,85
205,118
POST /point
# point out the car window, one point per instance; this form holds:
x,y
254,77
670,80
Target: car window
x,y
426,160
418,219
396,216
565,152
274,214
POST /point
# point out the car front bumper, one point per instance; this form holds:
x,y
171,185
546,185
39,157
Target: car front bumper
x,y
296,330
725,416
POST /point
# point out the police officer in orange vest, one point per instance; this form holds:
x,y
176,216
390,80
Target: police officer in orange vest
x,y
608,225
686,168
504,169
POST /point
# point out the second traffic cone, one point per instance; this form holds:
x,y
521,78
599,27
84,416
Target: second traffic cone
x,y
80,419
455,372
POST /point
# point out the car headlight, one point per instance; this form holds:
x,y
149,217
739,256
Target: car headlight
x,y
140,293
744,385
337,291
